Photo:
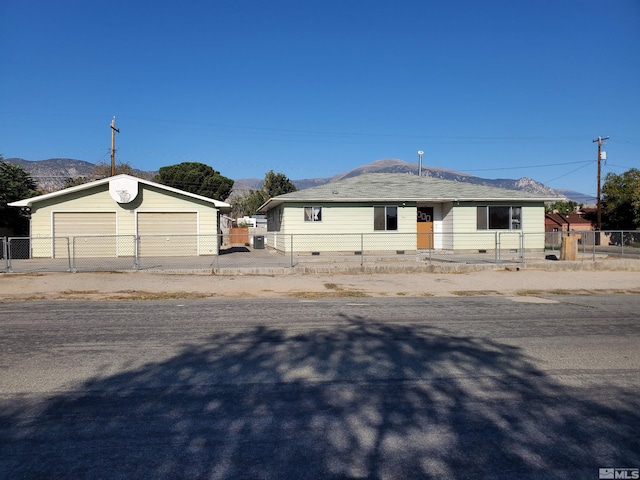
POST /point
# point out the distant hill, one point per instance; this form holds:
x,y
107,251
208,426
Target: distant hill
x,y
51,175
399,166
579,197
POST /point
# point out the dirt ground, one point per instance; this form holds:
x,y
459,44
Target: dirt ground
x,y
141,285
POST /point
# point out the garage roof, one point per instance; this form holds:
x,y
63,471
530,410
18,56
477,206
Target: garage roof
x,y
85,186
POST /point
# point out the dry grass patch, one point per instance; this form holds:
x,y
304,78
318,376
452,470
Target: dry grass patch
x,y
528,293
562,291
79,292
145,295
334,294
475,293
335,291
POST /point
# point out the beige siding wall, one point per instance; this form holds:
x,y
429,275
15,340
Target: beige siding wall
x,y
343,218
446,239
97,199
341,226
455,228
468,237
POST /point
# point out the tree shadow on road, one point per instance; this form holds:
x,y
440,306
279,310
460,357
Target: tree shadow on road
x,y
363,400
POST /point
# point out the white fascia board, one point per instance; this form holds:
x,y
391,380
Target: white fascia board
x,y
269,204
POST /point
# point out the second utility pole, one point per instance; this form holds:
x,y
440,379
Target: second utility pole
x,y
600,141
113,146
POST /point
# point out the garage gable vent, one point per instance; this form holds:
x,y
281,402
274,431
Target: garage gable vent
x,y
123,190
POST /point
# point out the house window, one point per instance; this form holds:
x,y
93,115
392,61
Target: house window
x,y
312,214
385,218
498,217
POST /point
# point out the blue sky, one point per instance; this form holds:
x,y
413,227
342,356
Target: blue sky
x,y
499,89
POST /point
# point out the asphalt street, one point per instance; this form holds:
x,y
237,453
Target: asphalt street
x,y
478,387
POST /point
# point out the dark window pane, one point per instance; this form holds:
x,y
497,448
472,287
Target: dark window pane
x,y
392,218
499,218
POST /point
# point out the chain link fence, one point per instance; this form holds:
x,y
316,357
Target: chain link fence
x,y
215,253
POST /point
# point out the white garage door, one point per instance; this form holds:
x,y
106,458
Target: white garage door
x,y
168,233
94,234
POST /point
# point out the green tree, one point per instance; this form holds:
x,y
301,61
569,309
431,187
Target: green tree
x,y
274,184
621,201
196,178
562,207
15,184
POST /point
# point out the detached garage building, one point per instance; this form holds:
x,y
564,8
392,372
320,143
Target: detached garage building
x,y
102,218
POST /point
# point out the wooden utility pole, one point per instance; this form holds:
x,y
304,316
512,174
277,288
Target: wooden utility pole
x,y
600,141
114,130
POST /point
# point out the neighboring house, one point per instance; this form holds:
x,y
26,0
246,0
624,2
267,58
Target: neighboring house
x,y
405,212
101,218
557,222
256,221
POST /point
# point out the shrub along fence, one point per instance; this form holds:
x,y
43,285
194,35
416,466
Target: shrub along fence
x,y
210,253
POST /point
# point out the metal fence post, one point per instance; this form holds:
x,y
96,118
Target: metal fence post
x,y
219,240
362,249
5,254
622,243
521,247
292,265
497,246
136,252
72,259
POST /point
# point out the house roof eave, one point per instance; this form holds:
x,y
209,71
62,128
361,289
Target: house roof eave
x,y
275,201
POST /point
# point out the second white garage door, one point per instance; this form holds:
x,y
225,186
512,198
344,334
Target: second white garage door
x,y
168,233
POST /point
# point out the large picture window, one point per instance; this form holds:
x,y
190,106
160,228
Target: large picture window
x,y
385,218
499,217
312,214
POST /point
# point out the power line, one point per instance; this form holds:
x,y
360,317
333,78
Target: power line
x,y
565,174
528,166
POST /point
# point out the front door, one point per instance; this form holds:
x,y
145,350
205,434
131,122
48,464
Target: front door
x,y
425,228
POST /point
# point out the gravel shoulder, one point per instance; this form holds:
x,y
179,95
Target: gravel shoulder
x,y
145,285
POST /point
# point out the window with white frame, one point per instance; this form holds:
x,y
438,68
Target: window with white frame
x,y
385,218
499,217
312,214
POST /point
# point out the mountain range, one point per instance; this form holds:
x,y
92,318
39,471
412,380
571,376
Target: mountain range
x,y
51,175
